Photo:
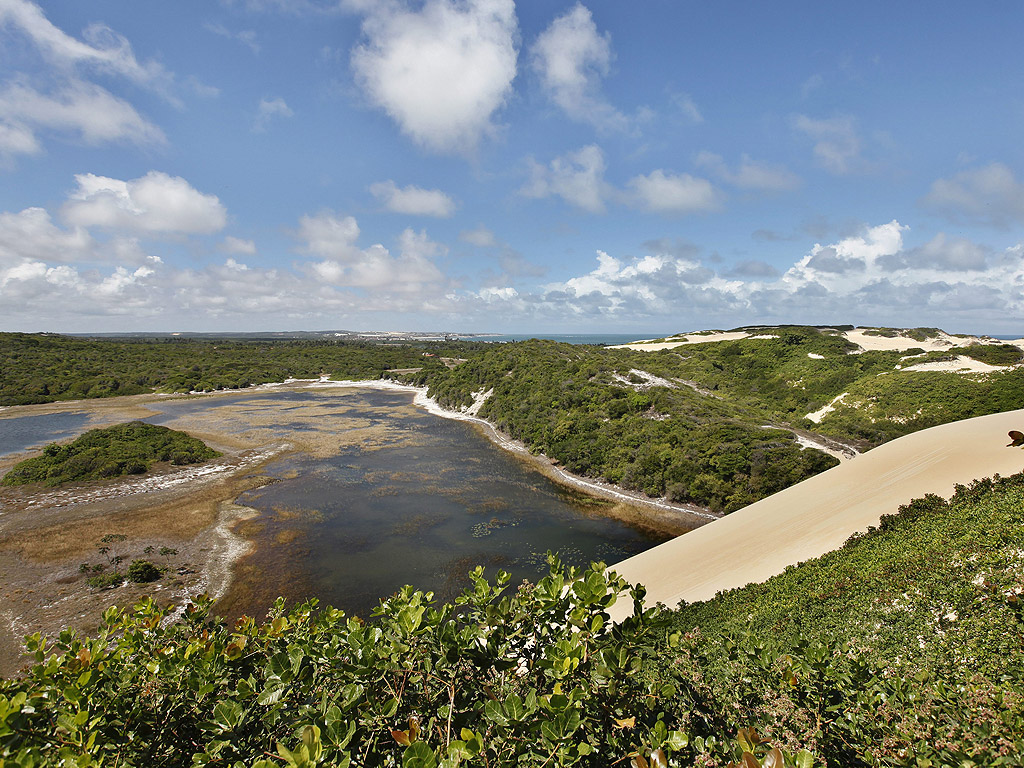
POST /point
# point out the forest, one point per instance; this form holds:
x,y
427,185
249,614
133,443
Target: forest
x,y
710,424
903,648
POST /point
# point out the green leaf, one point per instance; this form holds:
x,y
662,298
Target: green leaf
x,y
419,755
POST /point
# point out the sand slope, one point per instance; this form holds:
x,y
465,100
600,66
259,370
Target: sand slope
x,y
819,514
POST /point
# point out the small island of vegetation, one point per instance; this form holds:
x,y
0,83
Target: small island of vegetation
x,y
123,449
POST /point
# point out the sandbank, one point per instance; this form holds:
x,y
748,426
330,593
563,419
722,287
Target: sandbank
x,y
819,514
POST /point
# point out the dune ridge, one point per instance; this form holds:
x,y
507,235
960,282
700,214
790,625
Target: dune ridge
x,y
821,513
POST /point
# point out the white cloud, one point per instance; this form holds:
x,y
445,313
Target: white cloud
x,y
102,49
850,262
269,109
328,235
837,145
32,236
750,174
238,245
440,72
413,200
577,177
670,193
154,204
346,265
81,108
571,57
990,195
481,237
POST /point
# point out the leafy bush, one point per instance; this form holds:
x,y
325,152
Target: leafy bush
x,y
995,354
143,571
123,449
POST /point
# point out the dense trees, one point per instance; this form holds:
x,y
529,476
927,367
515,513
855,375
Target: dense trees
x,y
123,449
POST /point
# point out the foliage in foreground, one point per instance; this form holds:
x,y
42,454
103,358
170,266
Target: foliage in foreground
x,y
903,648
905,645
123,449
528,676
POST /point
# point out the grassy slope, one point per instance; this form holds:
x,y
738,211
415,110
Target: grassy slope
x,y
908,641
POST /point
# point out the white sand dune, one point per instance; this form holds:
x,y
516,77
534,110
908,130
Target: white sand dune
x,y
961,364
819,514
687,338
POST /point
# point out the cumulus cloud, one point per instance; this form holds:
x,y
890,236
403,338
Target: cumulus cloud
x,y
990,195
571,57
267,110
755,269
750,174
31,235
413,200
577,177
837,146
440,72
941,253
345,264
153,204
670,193
238,245
90,113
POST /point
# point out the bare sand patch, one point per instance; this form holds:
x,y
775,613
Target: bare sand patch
x,y
870,342
687,338
821,513
961,364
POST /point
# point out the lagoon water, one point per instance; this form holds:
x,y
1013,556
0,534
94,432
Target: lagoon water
x,y
28,432
393,495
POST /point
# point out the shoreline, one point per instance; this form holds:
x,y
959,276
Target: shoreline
x,y
599,489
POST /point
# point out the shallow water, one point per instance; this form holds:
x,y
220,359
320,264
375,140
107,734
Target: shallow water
x,y
28,432
381,494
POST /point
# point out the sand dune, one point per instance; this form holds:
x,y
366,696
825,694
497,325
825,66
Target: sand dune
x,y
819,514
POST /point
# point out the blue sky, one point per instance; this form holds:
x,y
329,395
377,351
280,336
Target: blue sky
x,y
482,165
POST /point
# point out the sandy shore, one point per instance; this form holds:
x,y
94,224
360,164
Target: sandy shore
x,y
821,513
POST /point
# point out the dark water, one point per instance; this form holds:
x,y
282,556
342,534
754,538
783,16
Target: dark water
x,y
27,432
422,504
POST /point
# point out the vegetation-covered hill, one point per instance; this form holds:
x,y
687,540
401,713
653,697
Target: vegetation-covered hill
x,y
123,449
588,408
38,368
904,648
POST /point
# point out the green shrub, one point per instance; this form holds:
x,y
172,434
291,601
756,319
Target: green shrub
x,y
143,571
123,449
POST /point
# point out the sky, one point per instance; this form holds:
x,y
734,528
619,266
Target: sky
x,y
491,166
